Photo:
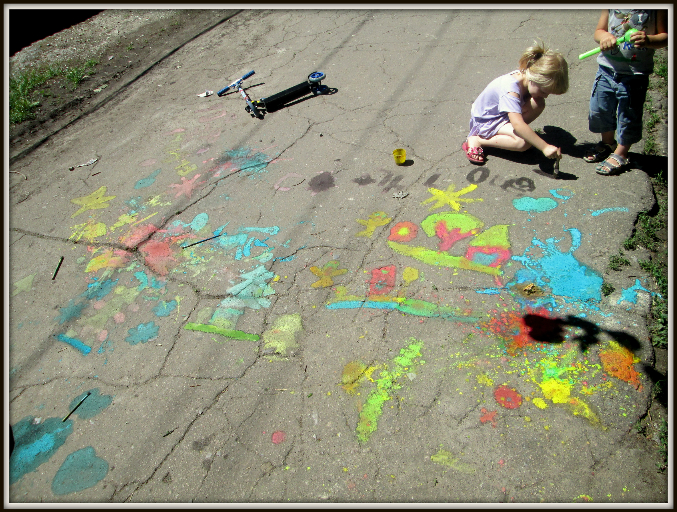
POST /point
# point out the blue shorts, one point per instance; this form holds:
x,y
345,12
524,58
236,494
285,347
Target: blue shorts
x,y
616,104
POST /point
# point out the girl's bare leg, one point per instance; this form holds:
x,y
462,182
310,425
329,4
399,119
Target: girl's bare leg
x,y
506,137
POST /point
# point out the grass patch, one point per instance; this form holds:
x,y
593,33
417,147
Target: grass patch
x,y
607,289
25,86
21,87
617,261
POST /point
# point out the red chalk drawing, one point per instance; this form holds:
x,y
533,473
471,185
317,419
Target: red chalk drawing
x,y
382,280
137,235
488,416
403,232
508,398
449,237
158,255
278,437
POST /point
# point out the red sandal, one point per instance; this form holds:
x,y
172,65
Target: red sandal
x,y
475,155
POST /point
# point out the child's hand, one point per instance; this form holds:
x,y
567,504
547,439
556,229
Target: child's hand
x,y
552,152
639,38
607,42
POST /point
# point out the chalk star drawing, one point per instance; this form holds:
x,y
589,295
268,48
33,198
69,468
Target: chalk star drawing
x,y
450,197
329,270
24,285
186,187
375,220
94,201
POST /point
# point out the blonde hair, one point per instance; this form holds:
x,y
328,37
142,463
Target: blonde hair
x,y
546,68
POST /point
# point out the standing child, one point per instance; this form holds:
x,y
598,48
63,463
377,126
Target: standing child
x,y
619,90
501,115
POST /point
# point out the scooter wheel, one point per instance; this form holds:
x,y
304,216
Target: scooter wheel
x,y
315,77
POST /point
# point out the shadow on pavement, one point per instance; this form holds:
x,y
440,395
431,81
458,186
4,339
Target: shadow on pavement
x,y
551,330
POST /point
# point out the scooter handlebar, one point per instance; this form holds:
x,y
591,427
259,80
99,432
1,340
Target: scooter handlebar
x,y
235,83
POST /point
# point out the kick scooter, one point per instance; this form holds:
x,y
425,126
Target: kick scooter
x,y
258,108
238,84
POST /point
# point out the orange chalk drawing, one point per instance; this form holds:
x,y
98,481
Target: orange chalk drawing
x,y
619,362
488,416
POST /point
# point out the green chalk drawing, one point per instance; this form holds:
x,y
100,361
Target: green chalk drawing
x,y
387,382
81,470
228,333
448,459
281,337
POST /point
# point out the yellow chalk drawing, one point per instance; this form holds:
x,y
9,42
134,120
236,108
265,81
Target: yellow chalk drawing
x,y
326,273
409,275
449,197
484,380
281,337
94,201
540,403
89,230
448,459
24,285
107,260
375,220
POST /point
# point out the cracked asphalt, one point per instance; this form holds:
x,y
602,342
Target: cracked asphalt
x,y
273,311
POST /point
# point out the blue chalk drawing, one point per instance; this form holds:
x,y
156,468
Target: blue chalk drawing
x,y
561,272
35,444
147,182
93,405
142,333
165,308
99,289
75,343
70,312
556,192
81,470
143,279
530,204
198,222
245,160
597,213
630,294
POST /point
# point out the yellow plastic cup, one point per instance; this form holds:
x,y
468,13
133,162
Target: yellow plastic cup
x,y
400,156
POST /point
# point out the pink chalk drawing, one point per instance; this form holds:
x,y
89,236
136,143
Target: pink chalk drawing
x,y
278,437
159,256
186,187
278,186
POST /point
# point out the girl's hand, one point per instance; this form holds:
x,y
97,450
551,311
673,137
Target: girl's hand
x,y
552,152
640,39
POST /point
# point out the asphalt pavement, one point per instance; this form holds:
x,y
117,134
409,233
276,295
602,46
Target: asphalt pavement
x,y
241,310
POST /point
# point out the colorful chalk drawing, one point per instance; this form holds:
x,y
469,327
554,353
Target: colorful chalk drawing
x,y
92,405
449,197
97,317
374,221
327,274
23,285
281,338
391,377
81,470
382,283
560,273
486,251
447,458
630,294
35,444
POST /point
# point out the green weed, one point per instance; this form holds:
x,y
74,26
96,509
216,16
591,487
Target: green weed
x,y
130,47
607,289
617,261
663,441
21,88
